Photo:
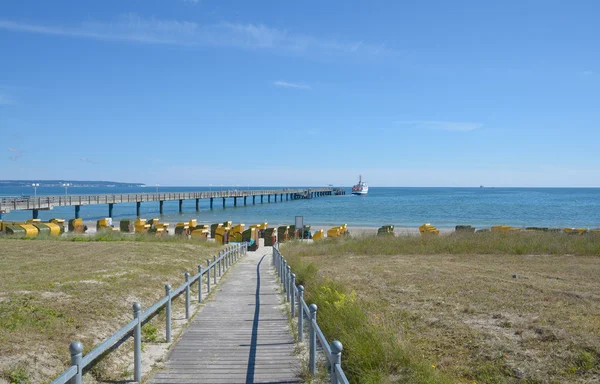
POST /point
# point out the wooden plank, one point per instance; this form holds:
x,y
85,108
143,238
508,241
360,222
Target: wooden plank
x,y
242,336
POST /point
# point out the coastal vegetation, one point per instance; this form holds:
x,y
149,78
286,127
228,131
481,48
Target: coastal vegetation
x,y
53,292
468,308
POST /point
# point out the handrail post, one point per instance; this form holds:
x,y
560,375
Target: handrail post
x,y
168,313
200,283
76,349
215,270
187,295
300,313
137,343
293,295
336,359
224,261
288,280
312,361
284,282
220,263
207,276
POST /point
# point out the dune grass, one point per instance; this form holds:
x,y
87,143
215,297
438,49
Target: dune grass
x,y
110,236
485,243
56,291
484,308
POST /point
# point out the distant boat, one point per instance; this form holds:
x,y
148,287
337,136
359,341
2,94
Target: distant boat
x,y
361,188
481,186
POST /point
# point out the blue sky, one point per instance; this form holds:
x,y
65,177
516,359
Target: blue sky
x,y
407,93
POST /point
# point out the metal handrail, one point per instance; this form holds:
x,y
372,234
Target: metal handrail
x,y
108,343
66,375
333,350
73,374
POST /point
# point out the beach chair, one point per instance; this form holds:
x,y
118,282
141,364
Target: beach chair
x,y
318,235
428,229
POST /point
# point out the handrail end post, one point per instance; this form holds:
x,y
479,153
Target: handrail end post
x,y
76,349
293,295
336,358
168,313
313,340
300,313
187,295
137,343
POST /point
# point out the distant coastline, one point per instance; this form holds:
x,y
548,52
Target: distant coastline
x,y
72,183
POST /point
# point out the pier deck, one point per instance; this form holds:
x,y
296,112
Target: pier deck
x,y
241,336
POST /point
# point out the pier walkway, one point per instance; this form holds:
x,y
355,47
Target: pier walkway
x,y
242,335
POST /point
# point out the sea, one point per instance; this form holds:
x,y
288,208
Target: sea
x,y
403,207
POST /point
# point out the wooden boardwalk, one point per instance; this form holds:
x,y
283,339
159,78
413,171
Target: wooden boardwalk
x,y
241,336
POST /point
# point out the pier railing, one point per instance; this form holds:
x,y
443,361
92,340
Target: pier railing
x,y
295,296
79,363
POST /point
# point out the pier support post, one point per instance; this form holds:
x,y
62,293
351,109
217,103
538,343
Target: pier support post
x,y
261,198
253,202
269,198
211,203
245,199
180,206
197,205
110,210
235,201
77,209
36,214
160,206
287,196
138,206
223,202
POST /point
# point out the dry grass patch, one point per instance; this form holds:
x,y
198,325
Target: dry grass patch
x,y
485,318
53,292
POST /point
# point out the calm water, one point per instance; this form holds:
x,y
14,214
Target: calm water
x,y
443,207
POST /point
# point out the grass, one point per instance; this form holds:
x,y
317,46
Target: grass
x,y
484,308
111,236
54,291
486,243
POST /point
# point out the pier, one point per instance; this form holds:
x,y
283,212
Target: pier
x,y
8,204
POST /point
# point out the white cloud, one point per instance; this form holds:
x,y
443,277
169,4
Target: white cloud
x,y
451,126
191,1
286,84
132,27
